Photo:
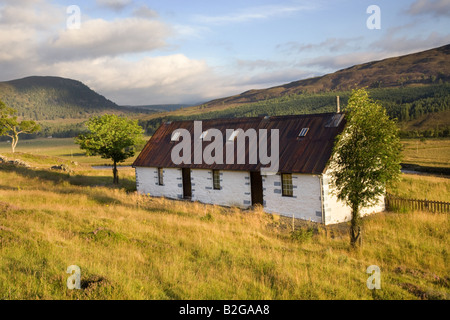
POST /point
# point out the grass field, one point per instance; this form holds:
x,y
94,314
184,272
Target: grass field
x,y
54,149
137,247
412,186
430,152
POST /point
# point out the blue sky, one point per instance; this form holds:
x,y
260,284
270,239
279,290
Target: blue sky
x,y
149,52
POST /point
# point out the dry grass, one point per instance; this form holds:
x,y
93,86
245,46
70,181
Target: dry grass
x,y
413,186
430,152
130,246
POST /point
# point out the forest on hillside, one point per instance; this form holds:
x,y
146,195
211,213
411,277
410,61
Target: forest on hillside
x,y
402,103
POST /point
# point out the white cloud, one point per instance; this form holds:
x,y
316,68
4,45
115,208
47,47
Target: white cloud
x,y
98,37
329,44
10,37
405,44
391,45
332,63
257,64
31,14
139,82
144,12
249,14
435,8
114,4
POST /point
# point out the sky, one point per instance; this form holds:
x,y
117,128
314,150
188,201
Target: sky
x,y
137,52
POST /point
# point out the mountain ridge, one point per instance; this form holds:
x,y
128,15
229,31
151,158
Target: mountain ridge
x,y
51,97
424,67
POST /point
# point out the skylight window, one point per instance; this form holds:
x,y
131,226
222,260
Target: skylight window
x,y
303,132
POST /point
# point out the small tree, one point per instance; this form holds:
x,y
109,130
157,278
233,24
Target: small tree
x,y
366,156
11,127
111,137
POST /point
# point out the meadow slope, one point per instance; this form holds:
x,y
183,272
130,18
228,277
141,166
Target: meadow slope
x,y
131,246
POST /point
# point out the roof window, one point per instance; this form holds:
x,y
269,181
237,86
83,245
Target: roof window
x,y
303,132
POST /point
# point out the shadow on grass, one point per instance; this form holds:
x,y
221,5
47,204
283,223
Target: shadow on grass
x,y
73,179
75,154
415,168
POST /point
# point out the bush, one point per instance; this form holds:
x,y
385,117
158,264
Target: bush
x,y
303,234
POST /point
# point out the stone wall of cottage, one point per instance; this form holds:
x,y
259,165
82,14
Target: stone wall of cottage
x,y
304,204
147,182
234,188
311,193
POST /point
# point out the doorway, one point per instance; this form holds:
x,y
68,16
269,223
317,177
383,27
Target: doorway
x,y
187,190
256,187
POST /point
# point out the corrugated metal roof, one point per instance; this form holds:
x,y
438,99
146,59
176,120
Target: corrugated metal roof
x,y
308,154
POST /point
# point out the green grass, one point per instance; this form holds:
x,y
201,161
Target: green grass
x,y
137,247
428,152
54,152
413,186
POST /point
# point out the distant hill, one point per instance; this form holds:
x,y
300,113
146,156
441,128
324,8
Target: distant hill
x,y
426,67
158,107
410,87
52,98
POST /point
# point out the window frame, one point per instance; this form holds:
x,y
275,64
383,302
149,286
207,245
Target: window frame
x,y
287,188
216,179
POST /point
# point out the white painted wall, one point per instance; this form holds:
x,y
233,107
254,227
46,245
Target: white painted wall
x,y
147,182
235,188
305,203
336,211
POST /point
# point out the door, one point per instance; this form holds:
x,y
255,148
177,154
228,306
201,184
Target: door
x,y
187,191
256,187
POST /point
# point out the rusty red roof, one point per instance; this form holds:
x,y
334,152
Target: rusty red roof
x,y
308,154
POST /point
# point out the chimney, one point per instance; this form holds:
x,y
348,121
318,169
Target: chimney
x,y
338,107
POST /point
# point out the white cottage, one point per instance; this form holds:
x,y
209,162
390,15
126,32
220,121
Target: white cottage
x,y
175,166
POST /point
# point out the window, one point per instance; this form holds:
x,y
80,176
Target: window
x,y
216,179
286,185
160,177
303,132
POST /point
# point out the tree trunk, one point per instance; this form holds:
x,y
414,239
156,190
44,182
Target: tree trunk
x,y
115,174
355,229
14,141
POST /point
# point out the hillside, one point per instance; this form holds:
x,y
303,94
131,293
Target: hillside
x,y
410,87
52,98
407,104
426,67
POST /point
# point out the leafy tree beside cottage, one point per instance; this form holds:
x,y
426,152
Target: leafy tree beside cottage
x,y
366,158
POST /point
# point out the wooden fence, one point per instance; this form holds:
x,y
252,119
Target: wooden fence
x,y
395,203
